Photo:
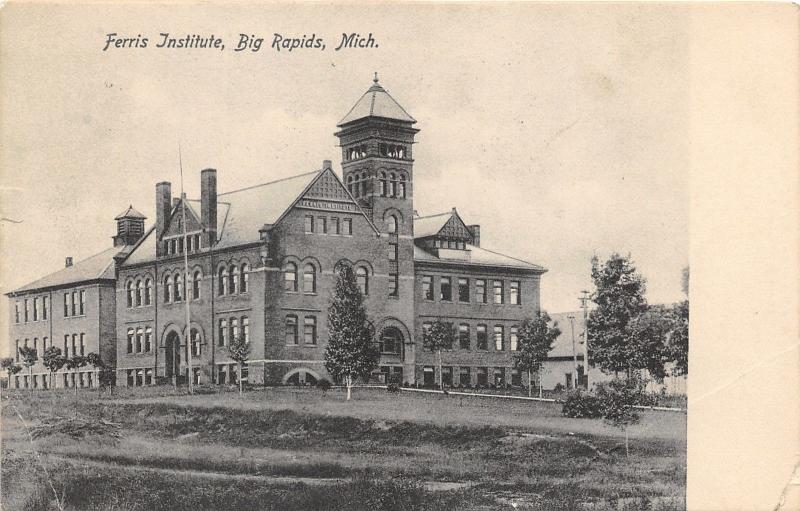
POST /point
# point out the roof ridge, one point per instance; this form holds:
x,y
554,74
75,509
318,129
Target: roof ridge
x,y
271,182
510,257
435,214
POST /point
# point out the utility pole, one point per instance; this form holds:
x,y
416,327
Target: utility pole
x,y
574,351
187,335
585,306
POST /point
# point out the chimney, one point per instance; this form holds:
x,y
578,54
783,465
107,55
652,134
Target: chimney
x,y
208,205
68,262
475,230
326,164
163,208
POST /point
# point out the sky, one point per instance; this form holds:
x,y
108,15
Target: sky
x,y
562,129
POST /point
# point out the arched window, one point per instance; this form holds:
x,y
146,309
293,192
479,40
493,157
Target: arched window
x,y
362,279
392,185
383,184
139,290
401,192
129,293
350,181
245,278
309,279
290,277
391,341
233,279
291,329
178,288
148,291
363,183
391,224
222,281
196,284
168,289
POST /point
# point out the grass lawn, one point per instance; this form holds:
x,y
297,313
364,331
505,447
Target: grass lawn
x,y
286,448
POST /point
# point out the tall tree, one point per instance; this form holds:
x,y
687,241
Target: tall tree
x,y
10,367
619,296
53,361
678,340
535,340
239,350
29,357
351,352
648,335
440,336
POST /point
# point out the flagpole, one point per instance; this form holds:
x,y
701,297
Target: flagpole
x,y
187,336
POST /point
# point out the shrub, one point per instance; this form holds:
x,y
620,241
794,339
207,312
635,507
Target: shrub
x,y
324,385
581,405
393,388
558,388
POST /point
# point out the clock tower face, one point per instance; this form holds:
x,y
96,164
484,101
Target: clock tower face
x,y
376,137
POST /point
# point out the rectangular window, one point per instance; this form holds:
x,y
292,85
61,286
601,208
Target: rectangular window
x,y
83,344
223,332
74,344
148,339
309,224
189,244
464,376
27,310
139,340
83,302
16,312
513,338
480,333
36,309
445,289
335,226
16,353
393,284
323,224
483,376
291,330
74,305
463,290
221,373
196,375
499,377
180,245
66,345
498,338
428,376
66,304
447,376
427,287
148,376
246,329
234,328
310,330
480,291
463,336
45,306
497,286
393,251
516,378
131,381
514,291
347,226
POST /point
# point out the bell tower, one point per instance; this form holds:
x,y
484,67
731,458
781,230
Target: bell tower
x,y
376,137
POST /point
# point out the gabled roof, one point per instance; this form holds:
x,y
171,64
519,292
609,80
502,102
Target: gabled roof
x,y
376,102
130,213
477,257
97,267
430,225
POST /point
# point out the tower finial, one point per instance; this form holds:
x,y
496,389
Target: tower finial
x,y
375,80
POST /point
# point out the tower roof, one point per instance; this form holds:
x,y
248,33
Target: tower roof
x,y
376,102
130,213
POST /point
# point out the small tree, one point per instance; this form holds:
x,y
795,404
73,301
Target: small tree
x,y
10,367
239,350
440,336
94,360
618,399
535,339
76,362
29,357
107,378
350,353
619,296
53,361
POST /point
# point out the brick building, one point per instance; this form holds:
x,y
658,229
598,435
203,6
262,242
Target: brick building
x,y
73,309
262,263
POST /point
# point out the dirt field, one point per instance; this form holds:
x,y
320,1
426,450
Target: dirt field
x,y
286,448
